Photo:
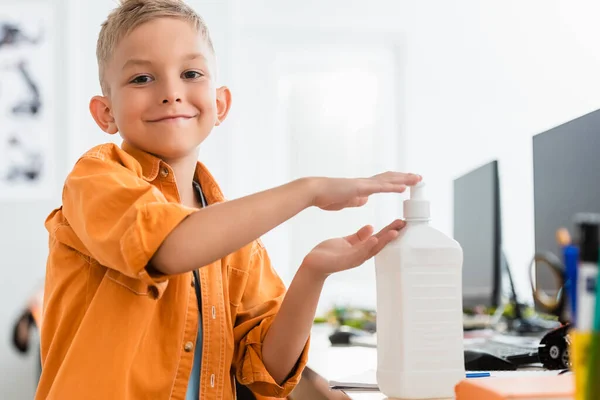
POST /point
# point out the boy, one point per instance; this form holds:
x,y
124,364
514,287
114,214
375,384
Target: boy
x,y
156,287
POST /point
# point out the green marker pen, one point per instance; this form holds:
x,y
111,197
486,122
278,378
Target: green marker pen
x,y
593,386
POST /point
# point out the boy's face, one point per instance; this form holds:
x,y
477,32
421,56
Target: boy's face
x,y
163,98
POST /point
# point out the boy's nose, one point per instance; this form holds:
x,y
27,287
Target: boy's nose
x,y
171,92
171,99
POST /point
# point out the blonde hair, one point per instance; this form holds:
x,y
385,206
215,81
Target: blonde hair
x,y
132,13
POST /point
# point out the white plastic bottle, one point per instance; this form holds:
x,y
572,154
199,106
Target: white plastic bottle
x,y
420,350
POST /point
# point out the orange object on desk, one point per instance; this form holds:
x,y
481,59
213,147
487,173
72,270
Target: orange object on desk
x,y
559,387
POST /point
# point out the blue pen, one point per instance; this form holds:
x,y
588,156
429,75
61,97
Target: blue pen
x,y
478,374
571,260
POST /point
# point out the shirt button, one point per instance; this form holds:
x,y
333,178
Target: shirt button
x,y
188,346
164,172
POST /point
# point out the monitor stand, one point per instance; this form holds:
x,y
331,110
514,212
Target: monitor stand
x,y
520,323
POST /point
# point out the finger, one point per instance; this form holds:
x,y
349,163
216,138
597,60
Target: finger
x,y
396,226
395,181
372,247
399,177
361,201
361,235
366,231
383,241
368,187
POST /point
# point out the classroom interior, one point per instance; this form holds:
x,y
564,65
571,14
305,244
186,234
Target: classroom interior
x,y
496,105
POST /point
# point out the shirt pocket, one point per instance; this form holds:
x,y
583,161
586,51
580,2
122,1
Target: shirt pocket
x,y
236,284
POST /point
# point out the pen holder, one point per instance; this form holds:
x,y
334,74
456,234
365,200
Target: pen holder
x,y
581,362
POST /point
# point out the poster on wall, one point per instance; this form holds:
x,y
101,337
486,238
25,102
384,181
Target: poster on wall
x,y
26,113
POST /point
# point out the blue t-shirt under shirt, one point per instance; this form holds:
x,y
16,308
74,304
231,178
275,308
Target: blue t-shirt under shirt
x,y
193,390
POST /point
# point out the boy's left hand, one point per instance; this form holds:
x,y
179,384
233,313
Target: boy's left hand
x,y
340,254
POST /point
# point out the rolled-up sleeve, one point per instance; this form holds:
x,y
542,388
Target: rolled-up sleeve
x,y
260,303
120,218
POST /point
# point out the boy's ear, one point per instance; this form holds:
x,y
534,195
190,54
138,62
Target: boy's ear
x,y
223,104
100,109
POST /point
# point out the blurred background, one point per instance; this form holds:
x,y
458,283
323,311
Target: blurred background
x,y
336,88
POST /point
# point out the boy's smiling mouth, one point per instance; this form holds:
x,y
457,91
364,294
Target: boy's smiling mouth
x,y
173,118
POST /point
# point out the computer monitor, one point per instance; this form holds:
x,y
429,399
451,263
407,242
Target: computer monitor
x,y
566,178
477,229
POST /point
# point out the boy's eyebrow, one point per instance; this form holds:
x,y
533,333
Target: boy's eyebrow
x,y
136,61
194,56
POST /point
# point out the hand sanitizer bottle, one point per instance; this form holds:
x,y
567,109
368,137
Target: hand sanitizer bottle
x,y
420,351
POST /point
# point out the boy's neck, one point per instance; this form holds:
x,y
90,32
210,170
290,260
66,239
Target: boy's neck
x,y
185,171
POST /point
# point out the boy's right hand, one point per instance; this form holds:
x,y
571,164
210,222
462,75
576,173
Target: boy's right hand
x,y
334,194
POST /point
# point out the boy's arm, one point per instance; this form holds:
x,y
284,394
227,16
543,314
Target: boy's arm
x,y
289,333
229,226
254,313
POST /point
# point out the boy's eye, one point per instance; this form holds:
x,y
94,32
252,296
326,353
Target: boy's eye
x,y
192,75
141,79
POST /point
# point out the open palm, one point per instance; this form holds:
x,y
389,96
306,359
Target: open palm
x,y
340,254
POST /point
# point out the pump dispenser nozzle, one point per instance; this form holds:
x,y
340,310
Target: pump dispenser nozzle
x,y
417,192
416,208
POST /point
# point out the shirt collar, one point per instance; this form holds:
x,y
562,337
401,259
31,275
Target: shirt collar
x,y
149,163
151,166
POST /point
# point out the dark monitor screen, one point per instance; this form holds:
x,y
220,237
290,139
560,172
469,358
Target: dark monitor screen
x,y
566,173
477,229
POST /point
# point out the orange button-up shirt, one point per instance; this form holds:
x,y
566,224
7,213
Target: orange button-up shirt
x,y
111,329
